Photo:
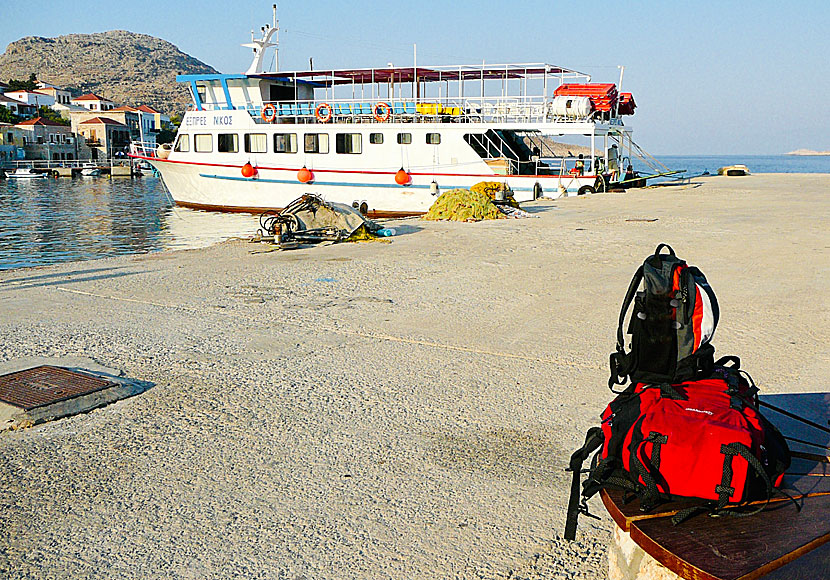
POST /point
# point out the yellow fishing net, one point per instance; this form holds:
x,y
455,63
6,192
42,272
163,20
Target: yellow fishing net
x,y
490,188
474,204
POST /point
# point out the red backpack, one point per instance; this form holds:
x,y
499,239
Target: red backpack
x,y
703,439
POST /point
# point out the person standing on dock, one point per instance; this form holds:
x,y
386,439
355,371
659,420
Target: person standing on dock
x,y
614,163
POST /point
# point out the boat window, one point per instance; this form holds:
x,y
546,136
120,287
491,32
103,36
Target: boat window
x,y
256,143
433,138
204,143
228,143
182,144
348,143
376,138
285,142
316,143
404,138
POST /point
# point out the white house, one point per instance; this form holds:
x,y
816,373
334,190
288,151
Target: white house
x,y
61,96
93,102
16,107
34,98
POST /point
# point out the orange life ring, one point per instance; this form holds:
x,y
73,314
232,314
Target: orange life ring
x,y
269,113
323,112
382,117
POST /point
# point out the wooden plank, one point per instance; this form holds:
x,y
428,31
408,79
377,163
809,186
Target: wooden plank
x,y
727,548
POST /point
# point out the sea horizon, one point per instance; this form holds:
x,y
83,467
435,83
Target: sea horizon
x,y
779,163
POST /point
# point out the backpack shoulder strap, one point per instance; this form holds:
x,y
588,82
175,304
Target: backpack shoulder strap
x,y
629,297
593,440
620,362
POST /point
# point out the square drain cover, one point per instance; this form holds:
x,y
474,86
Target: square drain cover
x,y
45,385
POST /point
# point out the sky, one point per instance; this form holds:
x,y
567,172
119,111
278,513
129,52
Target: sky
x,y
709,77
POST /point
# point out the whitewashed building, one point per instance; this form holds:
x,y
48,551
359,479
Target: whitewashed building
x,y
61,96
17,107
93,102
33,98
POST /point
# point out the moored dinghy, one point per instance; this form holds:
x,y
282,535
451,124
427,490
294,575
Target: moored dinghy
x,y
25,173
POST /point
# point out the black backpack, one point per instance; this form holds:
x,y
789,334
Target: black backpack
x,y
673,320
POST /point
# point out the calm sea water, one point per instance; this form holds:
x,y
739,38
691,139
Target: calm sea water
x,y
46,221
695,165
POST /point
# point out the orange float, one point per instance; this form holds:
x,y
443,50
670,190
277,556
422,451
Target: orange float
x,y
304,175
248,170
402,177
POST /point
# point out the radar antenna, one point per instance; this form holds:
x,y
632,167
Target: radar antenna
x,y
259,46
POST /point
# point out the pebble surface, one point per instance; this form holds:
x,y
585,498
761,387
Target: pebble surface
x,y
377,410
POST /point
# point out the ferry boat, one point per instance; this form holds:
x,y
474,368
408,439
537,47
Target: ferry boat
x,y
389,140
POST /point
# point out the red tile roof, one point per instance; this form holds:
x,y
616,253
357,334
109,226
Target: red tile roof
x,y
90,97
30,92
101,121
146,109
122,109
40,121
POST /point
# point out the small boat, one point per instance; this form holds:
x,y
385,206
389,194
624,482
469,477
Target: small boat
x,y
733,170
25,173
144,168
90,170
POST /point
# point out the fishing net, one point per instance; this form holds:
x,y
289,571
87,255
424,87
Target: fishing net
x,y
474,204
491,188
463,205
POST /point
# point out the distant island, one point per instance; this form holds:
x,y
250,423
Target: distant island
x,y
808,152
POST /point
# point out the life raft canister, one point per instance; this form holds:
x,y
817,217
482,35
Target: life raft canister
x,y
382,112
269,113
323,112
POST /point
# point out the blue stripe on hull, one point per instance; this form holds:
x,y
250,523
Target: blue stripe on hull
x,y
341,183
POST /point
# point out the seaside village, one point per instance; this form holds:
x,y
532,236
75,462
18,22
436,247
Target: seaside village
x,y
85,128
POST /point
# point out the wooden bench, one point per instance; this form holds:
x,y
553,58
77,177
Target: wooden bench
x,y
780,542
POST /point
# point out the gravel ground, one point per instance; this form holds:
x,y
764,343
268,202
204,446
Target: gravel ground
x,y
378,410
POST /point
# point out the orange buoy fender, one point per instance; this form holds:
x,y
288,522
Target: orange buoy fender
x,y
304,175
248,170
402,177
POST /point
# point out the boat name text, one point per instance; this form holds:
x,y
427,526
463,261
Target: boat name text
x,y
202,121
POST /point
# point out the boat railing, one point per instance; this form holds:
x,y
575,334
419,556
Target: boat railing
x,y
423,110
66,163
144,149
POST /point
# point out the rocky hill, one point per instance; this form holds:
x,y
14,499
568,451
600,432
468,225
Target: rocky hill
x,y
125,67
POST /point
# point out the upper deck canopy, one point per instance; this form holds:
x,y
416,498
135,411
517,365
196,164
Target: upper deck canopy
x,y
425,74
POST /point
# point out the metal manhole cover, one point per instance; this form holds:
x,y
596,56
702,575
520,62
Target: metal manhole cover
x,y
45,385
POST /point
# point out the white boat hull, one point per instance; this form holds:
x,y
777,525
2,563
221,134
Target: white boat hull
x,y
224,188
26,175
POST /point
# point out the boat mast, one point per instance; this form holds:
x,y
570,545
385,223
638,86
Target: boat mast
x,y
259,46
